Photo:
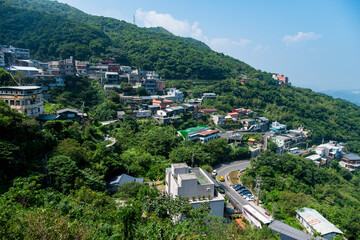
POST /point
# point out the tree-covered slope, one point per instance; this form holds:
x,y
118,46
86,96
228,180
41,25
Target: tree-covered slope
x,y
326,117
54,30
290,182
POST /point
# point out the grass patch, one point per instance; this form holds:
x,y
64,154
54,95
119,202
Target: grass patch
x,y
233,176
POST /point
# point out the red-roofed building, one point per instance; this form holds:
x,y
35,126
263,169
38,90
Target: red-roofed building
x,y
208,135
233,114
280,79
242,111
161,102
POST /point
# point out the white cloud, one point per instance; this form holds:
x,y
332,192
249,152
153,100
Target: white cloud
x,y
225,42
260,48
177,27
186,29
300,37
356,92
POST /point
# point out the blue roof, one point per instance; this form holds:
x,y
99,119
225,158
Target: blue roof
x,y
352,156
284,229
123,178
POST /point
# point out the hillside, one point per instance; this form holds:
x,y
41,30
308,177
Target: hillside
x,y
291,182
53,30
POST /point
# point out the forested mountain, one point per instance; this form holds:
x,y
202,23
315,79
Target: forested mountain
x,y
52,30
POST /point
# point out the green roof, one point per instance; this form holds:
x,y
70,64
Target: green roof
x,y
185,132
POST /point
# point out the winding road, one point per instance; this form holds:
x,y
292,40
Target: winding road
x,y
226,168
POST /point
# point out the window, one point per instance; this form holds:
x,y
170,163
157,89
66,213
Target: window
x,y
11,102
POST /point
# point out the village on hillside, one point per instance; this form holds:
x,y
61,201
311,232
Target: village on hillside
x,y
242,126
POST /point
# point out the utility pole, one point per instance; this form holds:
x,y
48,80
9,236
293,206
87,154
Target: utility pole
x,y
134,19
192,159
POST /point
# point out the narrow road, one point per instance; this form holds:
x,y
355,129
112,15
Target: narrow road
x,y
225,169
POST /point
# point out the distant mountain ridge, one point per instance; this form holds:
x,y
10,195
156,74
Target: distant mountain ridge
x,y
53,30
352,96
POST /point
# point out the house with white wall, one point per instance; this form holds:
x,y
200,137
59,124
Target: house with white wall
x,y
195,184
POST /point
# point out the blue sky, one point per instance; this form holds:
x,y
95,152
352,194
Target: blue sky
x,y
315,43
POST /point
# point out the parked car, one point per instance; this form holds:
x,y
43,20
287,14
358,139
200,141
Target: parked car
x,y
239,188
236,185
243,190
214,173
243,193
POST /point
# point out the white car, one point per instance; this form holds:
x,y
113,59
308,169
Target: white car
x,y
214,173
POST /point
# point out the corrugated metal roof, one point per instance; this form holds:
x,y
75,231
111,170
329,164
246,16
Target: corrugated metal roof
x,y
317,221
283,228
352,156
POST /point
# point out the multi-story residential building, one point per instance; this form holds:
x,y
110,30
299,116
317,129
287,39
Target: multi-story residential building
x,y
81,67
160,86
314,222
112,78
351,162
332,149
114,67
175,95
69,66
20,53
149,84
195,184
65,67
24,99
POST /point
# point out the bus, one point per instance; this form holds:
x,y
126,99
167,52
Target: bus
x,y
255,216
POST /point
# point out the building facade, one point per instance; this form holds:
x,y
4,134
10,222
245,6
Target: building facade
x,y
24,99
195,184
351,162
314,222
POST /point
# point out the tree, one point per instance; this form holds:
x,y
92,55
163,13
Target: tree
x,y
129,189
5,79
141,91
62,173
105,111
126,88
72,149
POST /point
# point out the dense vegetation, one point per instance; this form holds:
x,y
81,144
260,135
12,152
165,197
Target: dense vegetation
x,y
290,182
143,213
52,30
326,117
58,173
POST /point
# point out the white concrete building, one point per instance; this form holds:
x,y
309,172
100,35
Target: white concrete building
x,y
332,149
24,99
175,95
196,184
314,222
218,119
